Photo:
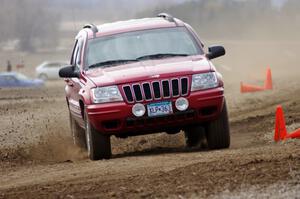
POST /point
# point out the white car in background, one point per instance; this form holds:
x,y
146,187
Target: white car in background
x,y
49,70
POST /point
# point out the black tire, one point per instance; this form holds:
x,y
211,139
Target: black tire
x,y
78,134
218,132
98,145
195,137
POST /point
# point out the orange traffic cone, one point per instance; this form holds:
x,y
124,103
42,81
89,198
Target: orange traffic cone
x,y
280,129
268,82
247,88
295,134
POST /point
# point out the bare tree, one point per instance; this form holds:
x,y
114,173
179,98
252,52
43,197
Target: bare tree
x,y
31,22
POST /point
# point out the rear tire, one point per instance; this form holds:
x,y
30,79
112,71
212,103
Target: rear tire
x,y
78,134
98,145
218,132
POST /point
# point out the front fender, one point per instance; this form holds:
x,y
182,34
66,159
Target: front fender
x,y
85,95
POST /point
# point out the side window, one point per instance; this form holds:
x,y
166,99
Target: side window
x,y
76,56
10,79
53,65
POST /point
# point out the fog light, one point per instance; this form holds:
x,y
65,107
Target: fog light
x,y
182,104
138,110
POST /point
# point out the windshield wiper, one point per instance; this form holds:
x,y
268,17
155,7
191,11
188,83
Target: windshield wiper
x,y
112,62
161,55
145,57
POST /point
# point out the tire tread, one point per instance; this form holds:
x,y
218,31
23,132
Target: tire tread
x,y
218,131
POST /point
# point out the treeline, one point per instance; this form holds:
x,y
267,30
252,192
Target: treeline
x,y
30,23
34,24
231,19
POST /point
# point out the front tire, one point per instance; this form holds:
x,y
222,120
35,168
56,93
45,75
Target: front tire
x,y
218,132
98,145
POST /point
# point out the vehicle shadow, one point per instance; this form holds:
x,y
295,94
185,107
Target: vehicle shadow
x,y
159,151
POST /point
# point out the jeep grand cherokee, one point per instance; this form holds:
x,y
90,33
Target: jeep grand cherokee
x,y
144,76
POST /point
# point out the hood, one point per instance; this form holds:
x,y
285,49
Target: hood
x,y
147,70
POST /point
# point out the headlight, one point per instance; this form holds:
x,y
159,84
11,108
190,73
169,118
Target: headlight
x,y
204,81
106,94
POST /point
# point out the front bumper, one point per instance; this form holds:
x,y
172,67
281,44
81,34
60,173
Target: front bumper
x,y
117,118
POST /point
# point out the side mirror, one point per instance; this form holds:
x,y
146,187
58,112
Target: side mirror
x,y
68,72
215,51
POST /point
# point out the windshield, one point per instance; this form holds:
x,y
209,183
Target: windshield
x,y
146,44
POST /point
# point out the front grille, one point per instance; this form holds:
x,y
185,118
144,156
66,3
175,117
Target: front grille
x,y
138,92
175,87
156,90
147,91
184,86
163,89
166,88
128,93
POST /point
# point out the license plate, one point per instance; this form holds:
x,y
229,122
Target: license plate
x,y
160,108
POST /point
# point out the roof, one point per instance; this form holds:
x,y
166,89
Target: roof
x,y
134,25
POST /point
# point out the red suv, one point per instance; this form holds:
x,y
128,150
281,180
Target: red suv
x,y
144,76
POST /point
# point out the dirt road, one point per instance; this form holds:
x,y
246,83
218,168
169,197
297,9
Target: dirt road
x,y
38,159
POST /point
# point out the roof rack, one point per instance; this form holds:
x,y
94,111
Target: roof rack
x,y
168,17
92,27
